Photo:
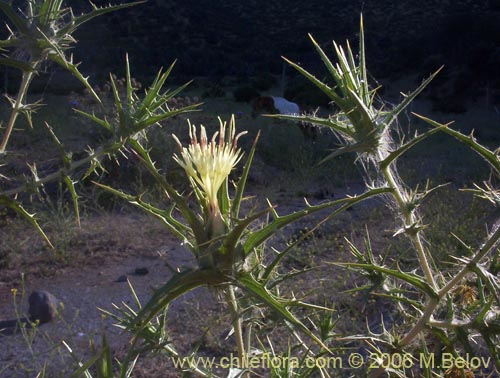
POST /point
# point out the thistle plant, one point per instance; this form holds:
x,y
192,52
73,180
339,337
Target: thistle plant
x,y
369,128
44,34
41,34
229,248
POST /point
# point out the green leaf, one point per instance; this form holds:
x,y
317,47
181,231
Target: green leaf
x,y
23,66
342,128
19,22
153,119
330,67
240,187
11,42
76,22
412,279
102,122
346,72
232,238
83,369
401,299
196,225
154,91
124,125
73,68
393,114
128,76
177,228
346,204
490,280
74,197
248,283
105,369
14,205
330,92
179,284
66,178
49,11
347,148
365,91
401,150
223,199
258,237
491,157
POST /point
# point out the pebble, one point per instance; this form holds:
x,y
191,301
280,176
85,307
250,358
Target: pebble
x,y
122,278
141,271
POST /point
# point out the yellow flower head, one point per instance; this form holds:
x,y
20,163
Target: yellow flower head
x,y
209,163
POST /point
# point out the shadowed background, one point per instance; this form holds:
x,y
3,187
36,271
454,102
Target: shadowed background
x,y
216,38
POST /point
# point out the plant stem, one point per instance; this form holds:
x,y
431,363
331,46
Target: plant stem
x,y
409,220
237,323
23,90
421,324
433,302
95,155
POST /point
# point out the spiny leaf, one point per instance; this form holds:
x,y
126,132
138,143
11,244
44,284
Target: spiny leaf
x,y
402,299
49,11
191,218
342,128
11,42
234,235
392,115
14,205
106,360
329,65
66,178
405,147
151,120
258,237
240,187
178,229
490,156
346,204
128,77
490,280
76,22
412,279
102,122
23,66
223,199
73,68
179,284
19,22
154,90
248,283
330,92
347,148
365,91
74,197
346,72
124,126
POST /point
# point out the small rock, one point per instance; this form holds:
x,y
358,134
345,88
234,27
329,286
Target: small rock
x,y
141,271
42,306
122,278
